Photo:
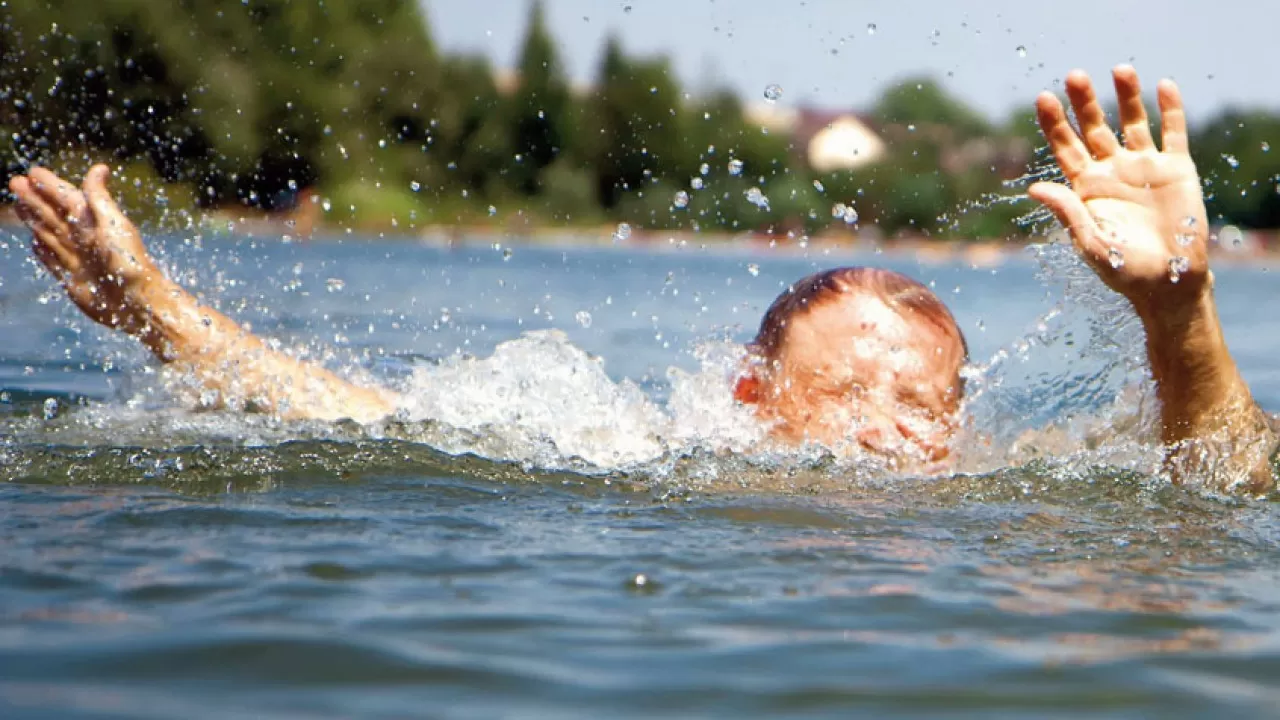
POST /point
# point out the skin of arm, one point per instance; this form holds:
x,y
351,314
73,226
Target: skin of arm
x,y
86,242
1137,216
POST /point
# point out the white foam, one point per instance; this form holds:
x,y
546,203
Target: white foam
x,y
539,399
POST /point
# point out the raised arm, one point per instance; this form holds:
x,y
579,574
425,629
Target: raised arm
x,y
97,254
1136,214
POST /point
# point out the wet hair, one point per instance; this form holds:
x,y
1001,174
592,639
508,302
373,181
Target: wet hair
x,y
905,296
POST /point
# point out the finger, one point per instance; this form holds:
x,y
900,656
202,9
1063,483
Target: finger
x,y
1070,152
64,199
1173,119
57,246
1133,115
105,211
46,244
47,257
1070,210
16,182
61,195
33,209
1098,136
45,239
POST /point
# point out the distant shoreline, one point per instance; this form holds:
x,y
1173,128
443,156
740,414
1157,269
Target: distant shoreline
x,y
1255,246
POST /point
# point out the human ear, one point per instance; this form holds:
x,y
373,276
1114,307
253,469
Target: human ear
x,y
747,389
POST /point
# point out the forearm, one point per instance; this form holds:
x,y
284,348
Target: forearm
x,y
1208,417
238,368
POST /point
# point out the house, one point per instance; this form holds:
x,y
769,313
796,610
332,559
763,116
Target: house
x,y
828,140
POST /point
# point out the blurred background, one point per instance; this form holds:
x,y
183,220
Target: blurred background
x,y
787,120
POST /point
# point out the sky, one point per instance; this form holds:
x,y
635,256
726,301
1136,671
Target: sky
x,y
997,54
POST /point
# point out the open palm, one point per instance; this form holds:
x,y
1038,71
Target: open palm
x,y
84,239
1135,212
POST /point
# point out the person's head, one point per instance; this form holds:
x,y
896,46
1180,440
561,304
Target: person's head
x,y
859,355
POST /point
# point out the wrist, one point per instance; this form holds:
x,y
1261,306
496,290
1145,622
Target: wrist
x,y
1171,318
1196,378
166,317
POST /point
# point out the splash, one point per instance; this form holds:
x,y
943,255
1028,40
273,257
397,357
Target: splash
x,y
543,402
538,400
1074,387
1071,390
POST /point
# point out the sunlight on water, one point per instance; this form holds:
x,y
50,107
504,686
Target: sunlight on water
x,y
1071,389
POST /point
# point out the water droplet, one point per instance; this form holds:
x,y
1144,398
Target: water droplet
x,y
506,254
1185,239
583,317
493,210
50,408
704,169
642,584
623,233
772,93
841,211
1116,258
1022,51
681,200
754,269
415,186
735,167
1266,146
334,285
1177,266
1231,160
696,183
1231,236
756,197
627,9
817,185
871,28
326,205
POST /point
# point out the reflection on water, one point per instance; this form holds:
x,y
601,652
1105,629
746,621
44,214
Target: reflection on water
x,y
480,552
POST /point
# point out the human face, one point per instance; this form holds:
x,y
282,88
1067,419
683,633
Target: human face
x,y
853,374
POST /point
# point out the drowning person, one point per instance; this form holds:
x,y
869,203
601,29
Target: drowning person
x,y
856,358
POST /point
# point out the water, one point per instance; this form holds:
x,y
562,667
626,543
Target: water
x,y
480,555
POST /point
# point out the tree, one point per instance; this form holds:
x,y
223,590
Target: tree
x,y
924,103
637,138
1239,168
539,114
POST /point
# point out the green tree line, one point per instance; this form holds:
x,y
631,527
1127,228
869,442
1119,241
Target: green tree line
x,y
245,103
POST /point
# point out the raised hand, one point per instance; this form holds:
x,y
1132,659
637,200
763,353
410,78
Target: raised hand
x,y
97,254
88,244
1135,212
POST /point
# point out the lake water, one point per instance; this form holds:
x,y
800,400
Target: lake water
x,y
578,526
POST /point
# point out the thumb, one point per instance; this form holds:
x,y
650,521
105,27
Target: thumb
x,y
105,210
1067,206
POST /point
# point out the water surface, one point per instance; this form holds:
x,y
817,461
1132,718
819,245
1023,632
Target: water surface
x,y
490,557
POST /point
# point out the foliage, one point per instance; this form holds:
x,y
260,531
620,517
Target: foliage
x,y
247,103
